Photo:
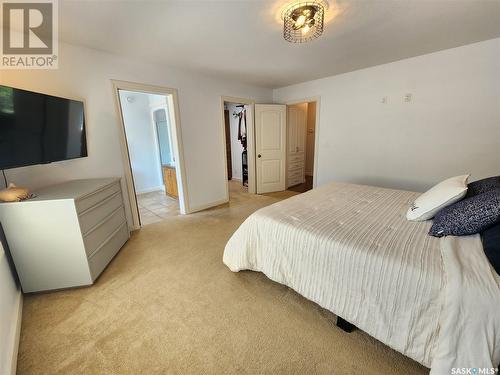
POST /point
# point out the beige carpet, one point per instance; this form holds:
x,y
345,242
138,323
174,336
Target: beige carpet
x,y
168,305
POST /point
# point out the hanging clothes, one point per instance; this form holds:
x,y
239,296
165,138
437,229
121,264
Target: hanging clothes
x,y
242,128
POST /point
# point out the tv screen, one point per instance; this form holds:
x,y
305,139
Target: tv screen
x,y
37,128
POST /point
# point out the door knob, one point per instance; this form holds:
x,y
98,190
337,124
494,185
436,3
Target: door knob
x,y
259,156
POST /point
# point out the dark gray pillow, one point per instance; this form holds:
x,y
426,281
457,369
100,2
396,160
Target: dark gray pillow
x,y
468,216
482,186
491,245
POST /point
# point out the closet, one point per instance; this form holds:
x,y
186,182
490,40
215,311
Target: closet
x,y
297,128
235,126
241,116
227,127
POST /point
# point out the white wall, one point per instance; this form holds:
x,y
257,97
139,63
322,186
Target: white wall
x,y
86,73
236,147
10,303
451,126
141,140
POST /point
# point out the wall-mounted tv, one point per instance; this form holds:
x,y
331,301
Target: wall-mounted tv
x,y
38,129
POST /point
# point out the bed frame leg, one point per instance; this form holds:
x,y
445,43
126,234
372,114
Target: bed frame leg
x,y
344,325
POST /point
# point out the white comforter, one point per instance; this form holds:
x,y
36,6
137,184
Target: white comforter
x,y
350,249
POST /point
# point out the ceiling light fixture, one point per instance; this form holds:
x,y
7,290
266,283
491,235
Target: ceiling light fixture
x,y
303,21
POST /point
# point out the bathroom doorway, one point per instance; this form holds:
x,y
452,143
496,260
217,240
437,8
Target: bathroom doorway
x,y
151,144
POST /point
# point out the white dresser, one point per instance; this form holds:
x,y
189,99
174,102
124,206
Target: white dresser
x,y
67,234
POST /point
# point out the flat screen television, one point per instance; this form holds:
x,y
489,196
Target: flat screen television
x,y
38,129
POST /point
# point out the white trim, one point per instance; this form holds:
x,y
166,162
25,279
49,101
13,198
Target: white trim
x,y
172,103
15,336
316,99
150,190
252,186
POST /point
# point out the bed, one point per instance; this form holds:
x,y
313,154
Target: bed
x,y
350,249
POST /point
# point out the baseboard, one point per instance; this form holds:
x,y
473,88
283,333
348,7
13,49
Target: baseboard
x,y
207,206
150,190
17,335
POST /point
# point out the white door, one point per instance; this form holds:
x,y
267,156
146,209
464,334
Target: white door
x,y
297,124
270,147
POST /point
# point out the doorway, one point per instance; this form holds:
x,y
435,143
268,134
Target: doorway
x,y
237,121
236,124
280,148
301,140
151,143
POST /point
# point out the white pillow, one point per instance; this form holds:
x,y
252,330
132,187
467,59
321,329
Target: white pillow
x,y
427,205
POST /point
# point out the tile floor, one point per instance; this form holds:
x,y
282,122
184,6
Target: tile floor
x,y
156,206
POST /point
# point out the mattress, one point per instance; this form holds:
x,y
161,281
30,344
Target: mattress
x,y
350,249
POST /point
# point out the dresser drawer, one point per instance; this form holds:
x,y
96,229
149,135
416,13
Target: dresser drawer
x,y
296,173
96,236
96,214
295,158
100,259
295,165
295,181
296,176
91,200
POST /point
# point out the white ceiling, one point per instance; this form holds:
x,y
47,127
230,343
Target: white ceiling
x,y
242,39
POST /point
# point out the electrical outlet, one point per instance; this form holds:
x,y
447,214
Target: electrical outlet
x,y
384,100
408,97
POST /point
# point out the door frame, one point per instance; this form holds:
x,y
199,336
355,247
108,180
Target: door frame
x,y
252,187
316,99
173,103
